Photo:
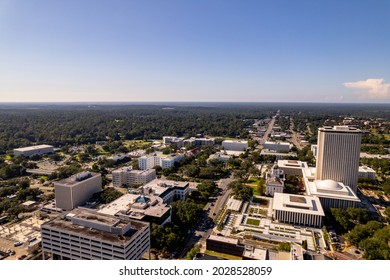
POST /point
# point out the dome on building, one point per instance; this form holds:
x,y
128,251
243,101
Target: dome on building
x,y
330,185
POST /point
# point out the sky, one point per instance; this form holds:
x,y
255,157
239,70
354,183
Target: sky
x,y
165,50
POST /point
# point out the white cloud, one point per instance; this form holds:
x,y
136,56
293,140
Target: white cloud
x,y
371,88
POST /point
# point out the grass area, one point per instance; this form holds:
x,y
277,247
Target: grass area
x,y
222,255
139,143
254,184
387,136
8,157
253,222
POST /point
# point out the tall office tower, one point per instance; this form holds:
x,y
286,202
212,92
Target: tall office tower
x,y
338,155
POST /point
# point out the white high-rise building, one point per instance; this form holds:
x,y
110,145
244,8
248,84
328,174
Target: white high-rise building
x,y
338,155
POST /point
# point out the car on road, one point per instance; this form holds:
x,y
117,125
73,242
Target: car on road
x,y
22,257
17,244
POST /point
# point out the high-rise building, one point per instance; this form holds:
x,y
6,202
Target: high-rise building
x,y
77,189
338,155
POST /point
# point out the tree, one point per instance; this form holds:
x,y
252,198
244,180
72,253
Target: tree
x,y
107,195
286,246
192,253
186,213
241,191
387,214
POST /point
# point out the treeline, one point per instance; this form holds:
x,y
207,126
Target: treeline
x,y
82,124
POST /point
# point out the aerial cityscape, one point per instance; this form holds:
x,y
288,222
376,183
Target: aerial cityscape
x,y
194,130
229,181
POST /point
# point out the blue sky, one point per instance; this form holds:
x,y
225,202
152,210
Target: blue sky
x,y
261,51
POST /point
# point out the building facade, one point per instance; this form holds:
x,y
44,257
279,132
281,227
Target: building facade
x,y
338,155
297,210
277,146
77,189
235,145
88,235
275,181
34,150
127,177
152,160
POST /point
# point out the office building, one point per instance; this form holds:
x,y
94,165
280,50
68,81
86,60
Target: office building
x,y
202,142
34,150
171,140
77,189
338,155
88,235
158,159
279,147
297,209
367,172
168,190
332,194
139,206
235,145
127,177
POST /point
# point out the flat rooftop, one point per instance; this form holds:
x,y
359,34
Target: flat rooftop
x,y
159,186
223,239
33,148
137,206
298,204
255,253
340,128
69,226
77,178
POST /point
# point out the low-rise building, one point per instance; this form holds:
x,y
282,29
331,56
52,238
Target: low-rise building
x,y
138,206
275,181
367,172
127,177
277,146
77,189
199,142
89,235
155,159
168,190
235,145
34,150
297,209
226,245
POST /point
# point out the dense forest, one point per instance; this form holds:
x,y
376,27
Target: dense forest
x,y
61,124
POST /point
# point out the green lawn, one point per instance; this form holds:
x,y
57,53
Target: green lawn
x,y
254,184
8,157
253,222
260,200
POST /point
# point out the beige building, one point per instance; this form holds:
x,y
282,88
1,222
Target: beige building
x,y
127,177
338,155
168,190
88,235
138,206
77,189
275,181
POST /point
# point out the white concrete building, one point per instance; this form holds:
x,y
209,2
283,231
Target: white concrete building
x,y
168,190
34,150
332,194
274,181
172,140
127,177
297,209
338,155
235,145
152,160
367,172
139,206
88,235
77,189
199,142
277,146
